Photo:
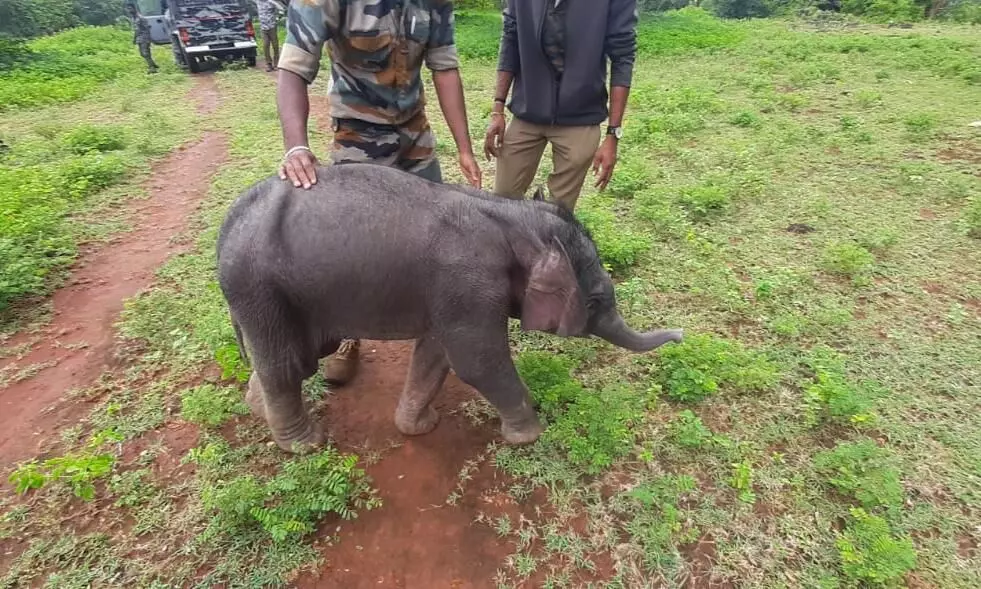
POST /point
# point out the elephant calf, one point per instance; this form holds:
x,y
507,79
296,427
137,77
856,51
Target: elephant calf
x,y
376,253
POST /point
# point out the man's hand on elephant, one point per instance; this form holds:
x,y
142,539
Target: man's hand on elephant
x,y
495,135
299,167
604,162
470,169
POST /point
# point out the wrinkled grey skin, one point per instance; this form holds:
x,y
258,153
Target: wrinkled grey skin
x,y
371,252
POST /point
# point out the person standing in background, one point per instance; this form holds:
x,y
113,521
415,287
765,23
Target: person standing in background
x,y
377,50
555,53
269,13
141,35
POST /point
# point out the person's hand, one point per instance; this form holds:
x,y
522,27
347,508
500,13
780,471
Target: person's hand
x,y
495,135
604,162
299,167
470,168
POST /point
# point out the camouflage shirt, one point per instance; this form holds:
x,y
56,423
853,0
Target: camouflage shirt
x,y
376,48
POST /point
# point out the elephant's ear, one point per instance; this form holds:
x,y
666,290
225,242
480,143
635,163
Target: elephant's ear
x,y
553,301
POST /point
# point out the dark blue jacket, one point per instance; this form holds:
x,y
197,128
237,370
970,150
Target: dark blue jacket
x,y
598,33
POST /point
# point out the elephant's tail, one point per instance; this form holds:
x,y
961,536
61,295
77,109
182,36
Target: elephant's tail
x,y
242,352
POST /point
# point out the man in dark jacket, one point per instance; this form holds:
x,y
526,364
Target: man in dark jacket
x,y
555,54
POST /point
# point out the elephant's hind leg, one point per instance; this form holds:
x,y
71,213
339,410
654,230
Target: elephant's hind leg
x,y
274,392
415,414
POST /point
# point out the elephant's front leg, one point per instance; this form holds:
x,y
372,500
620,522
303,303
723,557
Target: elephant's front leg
x,y
415,414
279,401
482,359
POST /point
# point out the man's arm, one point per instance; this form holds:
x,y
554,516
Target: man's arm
x,y
308,26
442,59
621,48
507,66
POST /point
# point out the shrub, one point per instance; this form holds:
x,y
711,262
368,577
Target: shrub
x,y
593,428
289,505
688,431
619,248
705,199
848,259
864,471
745,119
831,397
630,176
212,406
79,470
89,138
597,427
871,554
883,10
700,365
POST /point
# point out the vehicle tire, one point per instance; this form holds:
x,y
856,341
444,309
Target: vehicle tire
x,y
193,63
250,57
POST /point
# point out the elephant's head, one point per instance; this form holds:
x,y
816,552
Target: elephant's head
x,y
568,292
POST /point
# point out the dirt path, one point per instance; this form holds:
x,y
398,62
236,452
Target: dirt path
x,y
77,346
415,540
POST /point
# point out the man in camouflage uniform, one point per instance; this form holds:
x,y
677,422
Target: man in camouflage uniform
x,y
268,24
141,35
377,49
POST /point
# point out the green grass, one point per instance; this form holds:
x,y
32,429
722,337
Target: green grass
x,y
782,195
95,123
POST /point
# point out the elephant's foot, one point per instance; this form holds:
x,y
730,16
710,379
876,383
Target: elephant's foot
x,y
305,437
254,398
519,432
416,423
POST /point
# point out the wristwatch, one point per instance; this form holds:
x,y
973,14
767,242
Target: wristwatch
x,y
615,131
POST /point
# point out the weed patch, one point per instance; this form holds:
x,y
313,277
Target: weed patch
x,y
619,247
702,364
871,554
211,405
331,483
864,471
78,470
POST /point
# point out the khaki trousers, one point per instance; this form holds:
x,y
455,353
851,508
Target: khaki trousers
x,y
524,143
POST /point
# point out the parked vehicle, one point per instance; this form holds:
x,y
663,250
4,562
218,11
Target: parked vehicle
x,y
199,30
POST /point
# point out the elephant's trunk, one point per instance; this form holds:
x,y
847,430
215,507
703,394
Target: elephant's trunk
x,y
613,329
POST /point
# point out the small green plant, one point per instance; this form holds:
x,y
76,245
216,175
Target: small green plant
x,y
211,406
599,426
703,200
920,125
871,554
833,398
657,521
688,431
79,470
132,488
848,259
864,471
699,366
745,119
289,505
593,428
619,247
233,366
89,138
742,481
631,176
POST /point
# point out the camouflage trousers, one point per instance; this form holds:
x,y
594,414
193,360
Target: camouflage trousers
x,y
410,146
146,54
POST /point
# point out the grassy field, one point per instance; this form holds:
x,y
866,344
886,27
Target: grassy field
x,y
803,198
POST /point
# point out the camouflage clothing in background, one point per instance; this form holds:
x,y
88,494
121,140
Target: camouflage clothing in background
x,y
377,48
410,146
268,14
141,38
553,34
